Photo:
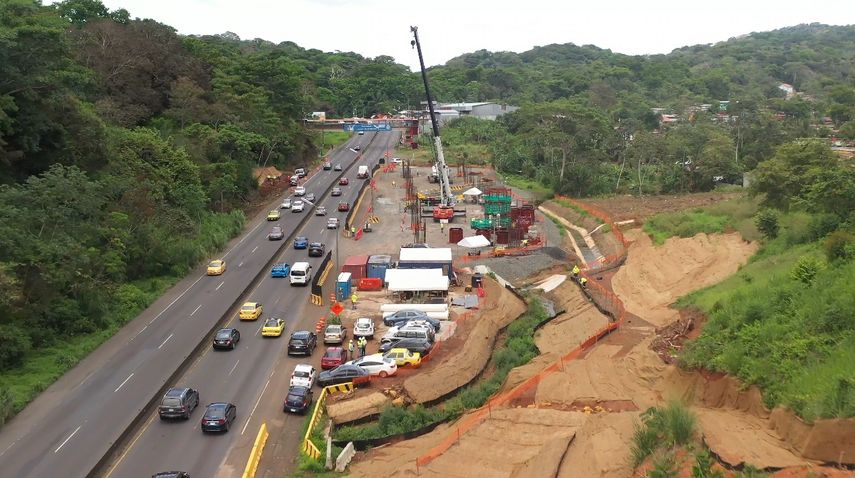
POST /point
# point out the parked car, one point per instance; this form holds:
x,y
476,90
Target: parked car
x,y
294,180
344,206
341,374
301,172
360,134
336,191
407,332
302,342
316,249
226,339
300,191
273,215
171,474
301,242
337,167
303,376
332,223
276,234
421,346
298,400
364,327
297,206
218,417
376,365
327,166
310,197
216,267
397,160
403,357
403,316
320,211
280,270
333,357
273,327
343,182
426,322
251,310
286,204
335,334
178,402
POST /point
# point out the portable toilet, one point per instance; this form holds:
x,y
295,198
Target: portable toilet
x,y
342,287
377,266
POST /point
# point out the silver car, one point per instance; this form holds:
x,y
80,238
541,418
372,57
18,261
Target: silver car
x,y
335,334
320,211
332,223
286,204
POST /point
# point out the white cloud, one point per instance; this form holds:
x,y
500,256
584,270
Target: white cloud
x,y
450,28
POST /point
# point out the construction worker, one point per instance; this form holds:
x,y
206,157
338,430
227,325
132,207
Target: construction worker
x,y
353,299
362,344
350,348
583,282
352,230
576,270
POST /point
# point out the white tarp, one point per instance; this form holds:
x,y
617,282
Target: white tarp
x,y
416,280
474,242
425,254
472,192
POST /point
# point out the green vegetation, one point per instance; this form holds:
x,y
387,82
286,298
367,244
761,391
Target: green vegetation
x,y
518,349
785,321
667,428
543,192
330,139
732,215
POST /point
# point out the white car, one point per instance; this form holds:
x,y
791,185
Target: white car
x,y
303,376
300,191
297,206
320,211
286,204
377,365
363,327
332,223
397,160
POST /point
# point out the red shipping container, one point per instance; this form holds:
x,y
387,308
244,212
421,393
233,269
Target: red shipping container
x,y
455,235
357,266
370,283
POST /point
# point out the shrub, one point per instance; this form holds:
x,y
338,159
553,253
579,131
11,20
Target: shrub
x,y
767,223
839,245
822,225
671,426
806,269
16,344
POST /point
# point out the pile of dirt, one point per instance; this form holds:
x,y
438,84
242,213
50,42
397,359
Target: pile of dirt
x,y
601,447
348,410
501,307
653,277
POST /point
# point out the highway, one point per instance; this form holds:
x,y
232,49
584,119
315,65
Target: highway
x,y
69,428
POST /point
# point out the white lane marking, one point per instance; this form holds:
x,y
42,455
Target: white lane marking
x,y
241,264
123,383
175,300
164,342
254,249
66,440
233,368
221,284
141,331
253,408
259,329
8,447
195,310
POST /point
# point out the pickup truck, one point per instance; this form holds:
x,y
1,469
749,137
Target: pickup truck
x,y
280,270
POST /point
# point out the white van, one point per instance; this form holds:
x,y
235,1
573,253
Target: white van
x,y
362,172
301,273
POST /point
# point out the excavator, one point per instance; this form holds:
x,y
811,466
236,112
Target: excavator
x,y
445,208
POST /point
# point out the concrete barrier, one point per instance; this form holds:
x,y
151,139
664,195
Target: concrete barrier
x,y
344,457
255,454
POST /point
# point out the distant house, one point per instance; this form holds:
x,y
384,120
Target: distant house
x,y
668,119
788,89
482,110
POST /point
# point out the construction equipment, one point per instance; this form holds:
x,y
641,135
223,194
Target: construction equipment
x,y
445,208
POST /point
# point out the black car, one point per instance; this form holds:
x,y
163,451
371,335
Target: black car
x,y
341,374
218,417
276,234
171,474
178,403
401,317
226,339
302,342
299,399
421,346
316,249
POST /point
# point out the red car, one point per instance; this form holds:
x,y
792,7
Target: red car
x,y
343,206
343,182
333,357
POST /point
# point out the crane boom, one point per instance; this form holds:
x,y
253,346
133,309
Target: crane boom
x,y
446,198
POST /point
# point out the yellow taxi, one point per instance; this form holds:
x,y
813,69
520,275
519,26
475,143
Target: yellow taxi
x,y
250,311
273,215
403,357
217,267
273,327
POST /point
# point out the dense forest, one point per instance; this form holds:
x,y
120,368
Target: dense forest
x,y
127,151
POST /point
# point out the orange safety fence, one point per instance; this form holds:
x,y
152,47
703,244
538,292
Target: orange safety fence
x,y
604,298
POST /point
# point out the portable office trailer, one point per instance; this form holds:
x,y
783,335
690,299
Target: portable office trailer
x,y
426,258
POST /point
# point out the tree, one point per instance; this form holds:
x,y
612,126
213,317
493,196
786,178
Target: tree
x,y
791,171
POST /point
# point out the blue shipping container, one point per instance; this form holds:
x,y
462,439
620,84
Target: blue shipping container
x,y
377,266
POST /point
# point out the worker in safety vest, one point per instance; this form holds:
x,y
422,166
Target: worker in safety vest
x,y
576,270
583,282
363,342
350,348
353,299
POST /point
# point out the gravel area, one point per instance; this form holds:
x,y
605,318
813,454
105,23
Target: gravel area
x,y
516,269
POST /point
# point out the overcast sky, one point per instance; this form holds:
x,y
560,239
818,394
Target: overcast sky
x,y
450,28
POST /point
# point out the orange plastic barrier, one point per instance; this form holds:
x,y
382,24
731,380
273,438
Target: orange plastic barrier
x,y
372,283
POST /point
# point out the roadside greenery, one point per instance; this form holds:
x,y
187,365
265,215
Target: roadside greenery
x,y
518,349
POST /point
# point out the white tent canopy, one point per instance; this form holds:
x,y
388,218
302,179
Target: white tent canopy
x,y
474,242
472,192
416,280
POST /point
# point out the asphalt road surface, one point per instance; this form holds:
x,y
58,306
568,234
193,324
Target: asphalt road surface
x,y
73,424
